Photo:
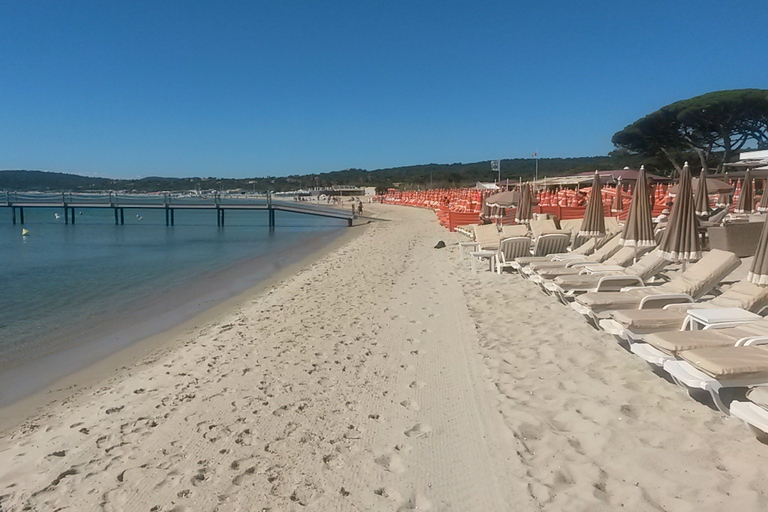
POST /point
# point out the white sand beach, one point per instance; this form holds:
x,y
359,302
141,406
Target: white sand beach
x,y
385,376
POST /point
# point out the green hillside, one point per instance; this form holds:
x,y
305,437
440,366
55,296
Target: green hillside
x,y
414,176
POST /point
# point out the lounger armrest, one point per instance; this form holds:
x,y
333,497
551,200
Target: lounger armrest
x,y
659,301
752,340
567,256
597,269
578,263
615,283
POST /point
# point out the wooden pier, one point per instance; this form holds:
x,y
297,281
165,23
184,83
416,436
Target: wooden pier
x,y
69,202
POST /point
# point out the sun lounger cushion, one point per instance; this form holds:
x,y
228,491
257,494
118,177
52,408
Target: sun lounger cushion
x,y
699,278
487,236
514,231
730,363
641,321
674,342
743,294
603,253
645,268
541,226
705,273
620,257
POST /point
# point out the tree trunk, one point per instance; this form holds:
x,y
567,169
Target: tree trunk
x,y
702,156
672,160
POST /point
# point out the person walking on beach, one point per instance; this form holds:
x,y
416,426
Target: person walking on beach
x,y
353,210
359,207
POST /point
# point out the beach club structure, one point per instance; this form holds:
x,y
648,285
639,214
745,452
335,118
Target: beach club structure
x,y
564,198
676,271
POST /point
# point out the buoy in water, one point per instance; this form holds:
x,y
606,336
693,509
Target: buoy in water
x,y
25,232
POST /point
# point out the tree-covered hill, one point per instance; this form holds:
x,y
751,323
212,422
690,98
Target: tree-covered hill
x,y
415,176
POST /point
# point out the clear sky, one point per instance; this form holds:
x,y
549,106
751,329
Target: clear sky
x,y
256,88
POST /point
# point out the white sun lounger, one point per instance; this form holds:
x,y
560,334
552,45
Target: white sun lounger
x,y
631,325
603,279
697,280
714,369
754,411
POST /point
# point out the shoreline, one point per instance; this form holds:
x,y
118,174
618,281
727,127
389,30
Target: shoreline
x,y
23,409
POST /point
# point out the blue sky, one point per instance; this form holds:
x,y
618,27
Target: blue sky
x,y
256,88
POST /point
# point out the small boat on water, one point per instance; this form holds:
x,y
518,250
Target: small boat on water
x,y
25,232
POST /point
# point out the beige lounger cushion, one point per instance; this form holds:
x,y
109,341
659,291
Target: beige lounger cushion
x,y
641,321
541,226
487,236
730,363
514,231
705,273
673,342
645,268
603,253
742,294
700,277
620,257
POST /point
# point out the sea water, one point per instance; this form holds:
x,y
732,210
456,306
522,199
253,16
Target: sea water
x,y
72,294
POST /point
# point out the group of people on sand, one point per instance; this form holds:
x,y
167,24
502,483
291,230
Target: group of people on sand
x,y
357,207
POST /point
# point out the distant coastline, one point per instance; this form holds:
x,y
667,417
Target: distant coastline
x,y
423,175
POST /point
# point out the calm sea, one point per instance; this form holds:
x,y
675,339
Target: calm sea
x,y
72,294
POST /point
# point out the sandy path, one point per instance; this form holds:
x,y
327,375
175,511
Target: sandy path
x,y
601,431
351,386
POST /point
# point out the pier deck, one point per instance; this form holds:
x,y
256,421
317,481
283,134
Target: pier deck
x,y
69,202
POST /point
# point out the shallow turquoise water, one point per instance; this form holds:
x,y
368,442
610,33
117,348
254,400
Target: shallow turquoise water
x,y
104,286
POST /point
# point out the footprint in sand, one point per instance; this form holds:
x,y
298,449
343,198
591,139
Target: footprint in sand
x,y
403,448
391,463
238,480
417,502
419,430
411,405
417,384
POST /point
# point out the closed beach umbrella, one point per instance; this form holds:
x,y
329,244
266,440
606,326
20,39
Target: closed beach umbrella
x,y
618,204
593,224
758,272
723,199
485,211
747,198
763,206
524,212
503,199
681,238
701,198
499,203
638,228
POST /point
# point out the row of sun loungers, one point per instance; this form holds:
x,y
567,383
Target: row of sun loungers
x,y
617,289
